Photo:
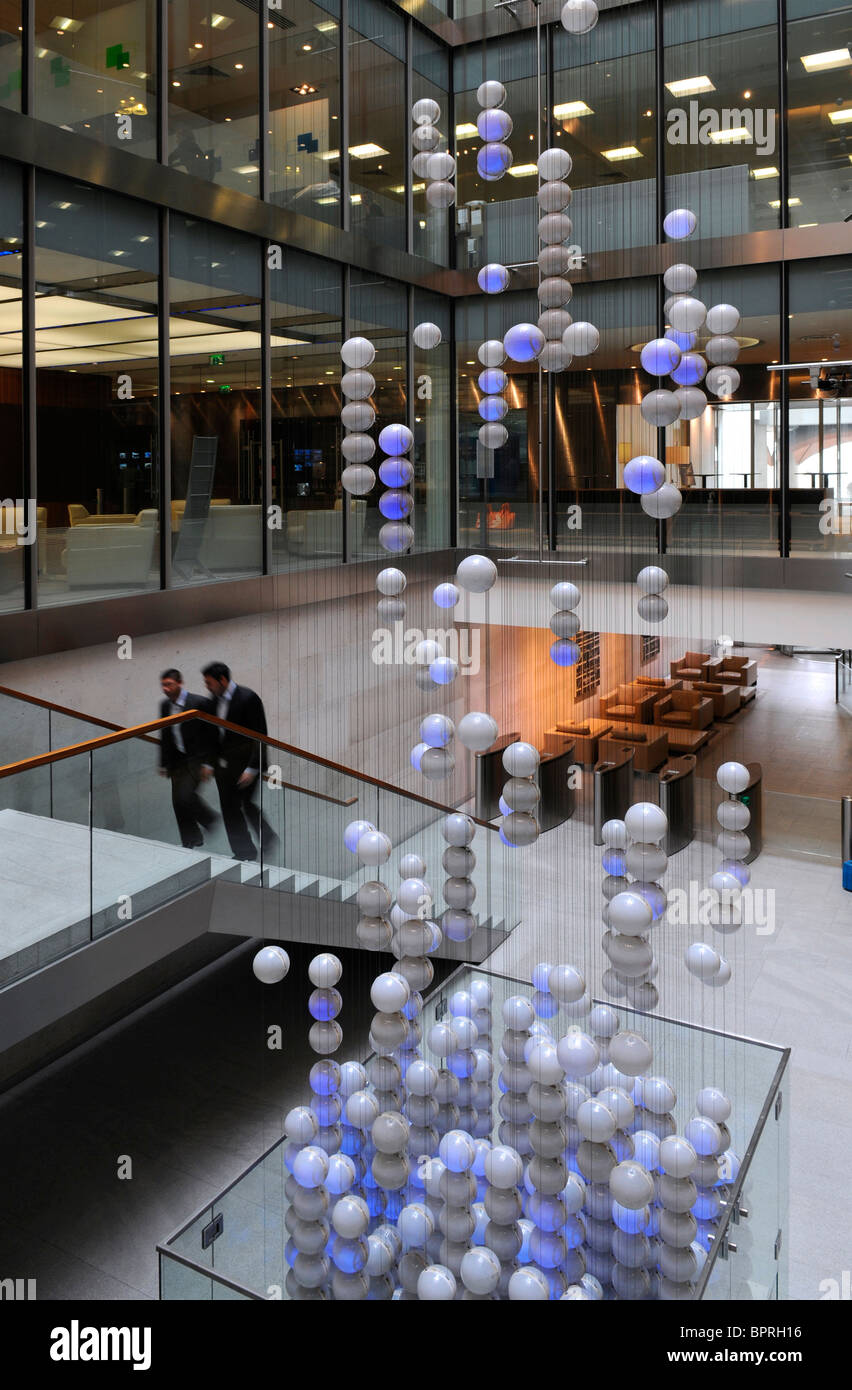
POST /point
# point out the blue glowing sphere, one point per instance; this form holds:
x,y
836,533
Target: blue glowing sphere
x,y
416,754
327,1110
685,341
446,595
376,1201
690,369
573,1232
493,278
492,408
494,124
613,862
353,832
393,1204
437,730
504,809
443,670
461,1064
679,224
396,439
644,474
660,356
654,897
564,652
739,869
628,1220
351,1143
325,1004
523,342
396,504
396,472
492,380
544,1004
492,162
325,1077
349,1255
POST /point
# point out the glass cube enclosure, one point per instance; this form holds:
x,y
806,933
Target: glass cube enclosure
x,y
235,1248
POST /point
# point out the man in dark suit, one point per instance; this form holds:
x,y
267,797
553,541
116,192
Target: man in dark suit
x,y
184,754
239,761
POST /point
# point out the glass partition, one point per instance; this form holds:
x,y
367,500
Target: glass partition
x,y
378,309
433,423
820,108
430,64
378,124
21,522
304,109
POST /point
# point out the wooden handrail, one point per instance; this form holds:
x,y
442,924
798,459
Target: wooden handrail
x,y
53,707
155,725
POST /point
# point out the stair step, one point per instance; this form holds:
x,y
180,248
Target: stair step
x,y
282,879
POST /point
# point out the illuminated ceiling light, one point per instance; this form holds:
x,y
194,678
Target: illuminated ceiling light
x,y
325,202
355,198
305,90
733,136
400,188
218,21
808,224
791,203
326,26
825,62
566,110
117,253
63,207
66,26
368,151
247,169
690,86
770,173
142,239
523,171
175,84
198,45
841,117
307,47
466,131
238,67
622,152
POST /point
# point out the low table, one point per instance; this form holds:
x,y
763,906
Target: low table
x,y
682,739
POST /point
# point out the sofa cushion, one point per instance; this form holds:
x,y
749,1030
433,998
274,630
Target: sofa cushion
x,y
581,729
629,737
622,711
677,716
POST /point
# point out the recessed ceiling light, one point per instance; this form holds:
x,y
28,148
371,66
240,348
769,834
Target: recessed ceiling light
x,y
733,136
841,117
175,84
247,169
466,131
368,151
622,152
566,110
64,25
825,62
770,173
238,67
690,86
307,47
326,26
791,203
304,91
198,45
523,171
218,21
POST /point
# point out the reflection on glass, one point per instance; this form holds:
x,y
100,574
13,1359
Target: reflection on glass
x,y
216,501
432,424
378,138
17,523
213,92
431,78
10,57
378,310
305,312
95,71
96,321
820,118
304,100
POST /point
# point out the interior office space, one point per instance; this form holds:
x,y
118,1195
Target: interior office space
x,y
520,494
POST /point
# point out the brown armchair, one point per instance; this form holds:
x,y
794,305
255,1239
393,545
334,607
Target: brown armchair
x,y
650,745
583,733
725,698
661,684
684,709
628,703
692,666
736,670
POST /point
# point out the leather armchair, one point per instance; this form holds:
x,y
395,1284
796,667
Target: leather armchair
x,y
628,704
684,708
692,666
736,670
650,745
725,698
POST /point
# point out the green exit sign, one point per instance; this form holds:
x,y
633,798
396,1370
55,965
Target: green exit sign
x,y
217,359
224,388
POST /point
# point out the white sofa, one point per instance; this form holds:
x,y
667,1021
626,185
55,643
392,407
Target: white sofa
x,y
232,538
111,556
318,532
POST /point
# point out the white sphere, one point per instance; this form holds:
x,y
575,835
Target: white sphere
x,y
732,777
436,1284
677,1157
415,1225
665,502
493,436
722,318
722,349
381,1258
358,352
553,164
414,896
693,402
458,829
581,339
361,1110
350,1217
426,335
652,608
310,1166
630,1053
553,196
702,960
566,984
614,834
652,580
425,111
437,730
578,1053
420,163
374,848
421,1078
390,992
520,759
270,965
631,1185
660,408
554,291
555,260
492,353
646,822
358,479
476,574
427,651
725,884
579,16
704,1135
713,1103
390,581
457,1151
358,416
630,914
503,1166
596,1122
646,862
491,94
480,1270
554,227
733,844
358,448
553,322
325,970
528,1284
441,193
733,815
565,624
723,381
301,1125
425,137
554,357
565,595
477,731
440,166
680,278
353,1077
688,314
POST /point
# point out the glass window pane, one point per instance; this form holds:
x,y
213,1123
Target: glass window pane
x,y
96,272
431,78
378,139
10,57
95,71
432,426
304,100
721,76
305,308
820,118
213,92
17,522
378,311
216,406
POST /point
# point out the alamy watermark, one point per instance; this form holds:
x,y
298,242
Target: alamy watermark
x,y
397,646
696,906
706,125
18,518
